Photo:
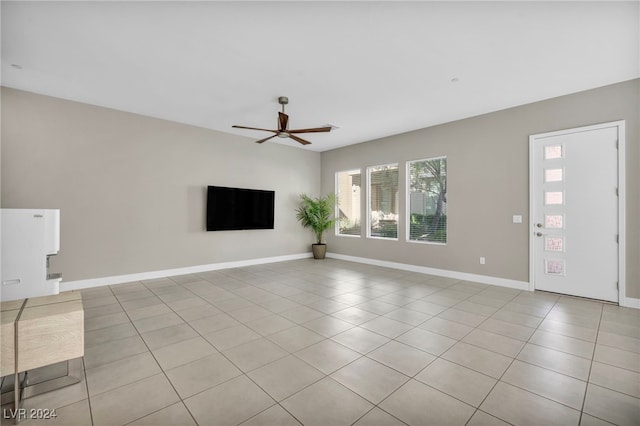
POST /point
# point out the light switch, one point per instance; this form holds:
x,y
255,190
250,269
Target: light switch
x,y
517,218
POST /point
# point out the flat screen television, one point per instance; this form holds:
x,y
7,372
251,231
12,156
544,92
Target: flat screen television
x,y
232,209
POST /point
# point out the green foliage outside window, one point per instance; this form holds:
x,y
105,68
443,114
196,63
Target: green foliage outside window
x,y
428,200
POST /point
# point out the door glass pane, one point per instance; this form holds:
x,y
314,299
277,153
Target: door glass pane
x,y
553,198
552,152
554,243
554,267
553,175
553,221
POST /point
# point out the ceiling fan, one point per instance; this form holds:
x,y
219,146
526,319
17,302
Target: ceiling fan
x,y
283,130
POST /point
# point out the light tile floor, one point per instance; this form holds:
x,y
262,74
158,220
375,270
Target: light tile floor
x,y
338,343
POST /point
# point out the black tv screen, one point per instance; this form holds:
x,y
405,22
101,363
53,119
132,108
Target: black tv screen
x,y
230,209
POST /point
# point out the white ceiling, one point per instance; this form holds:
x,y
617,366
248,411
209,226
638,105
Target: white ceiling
x,y
372,68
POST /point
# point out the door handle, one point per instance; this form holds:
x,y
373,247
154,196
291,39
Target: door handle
x,y
538,225
539,234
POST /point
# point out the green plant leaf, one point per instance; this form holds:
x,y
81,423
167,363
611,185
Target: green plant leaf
x,y
315,213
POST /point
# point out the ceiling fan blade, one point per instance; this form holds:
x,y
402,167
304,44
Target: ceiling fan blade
x,y
255,128
266,139
312,130
283,119
300,140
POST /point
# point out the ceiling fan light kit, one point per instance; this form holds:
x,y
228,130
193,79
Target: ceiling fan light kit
x,y
283,127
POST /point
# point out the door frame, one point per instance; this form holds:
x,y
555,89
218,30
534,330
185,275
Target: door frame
x,y
621,200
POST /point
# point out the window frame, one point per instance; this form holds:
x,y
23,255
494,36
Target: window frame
x,y
408,201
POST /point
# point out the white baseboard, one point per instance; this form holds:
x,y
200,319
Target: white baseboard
x,y
119,279
630,302
484,279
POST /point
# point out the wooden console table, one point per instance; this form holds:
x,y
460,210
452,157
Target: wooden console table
x,y
37,332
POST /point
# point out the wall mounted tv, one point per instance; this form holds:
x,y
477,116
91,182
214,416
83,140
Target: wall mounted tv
x,y
230,209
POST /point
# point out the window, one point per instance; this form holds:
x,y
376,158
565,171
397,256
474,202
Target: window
x,y
348,186
383,201
427,199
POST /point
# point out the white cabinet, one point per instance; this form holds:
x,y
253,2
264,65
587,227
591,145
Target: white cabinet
x,y
29,238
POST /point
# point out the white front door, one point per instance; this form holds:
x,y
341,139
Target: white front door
x,y
574,217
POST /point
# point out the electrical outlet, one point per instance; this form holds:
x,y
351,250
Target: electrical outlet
x,y
482,260
517,218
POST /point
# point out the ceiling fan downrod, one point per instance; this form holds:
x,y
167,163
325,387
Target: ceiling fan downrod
x,y
283,100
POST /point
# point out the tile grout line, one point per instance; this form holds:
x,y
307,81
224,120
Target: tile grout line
x,y
325,375
199,334
154,358
477,327
182,400
436,356
586,382
593,354
264,390
476,409
278,403
304,288
84,369
239,369
499,380
484,321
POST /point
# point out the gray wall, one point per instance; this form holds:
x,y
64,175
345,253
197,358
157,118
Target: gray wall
x,y
488,182
131,189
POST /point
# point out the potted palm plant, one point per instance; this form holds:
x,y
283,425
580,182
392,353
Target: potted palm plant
x,y
315,213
